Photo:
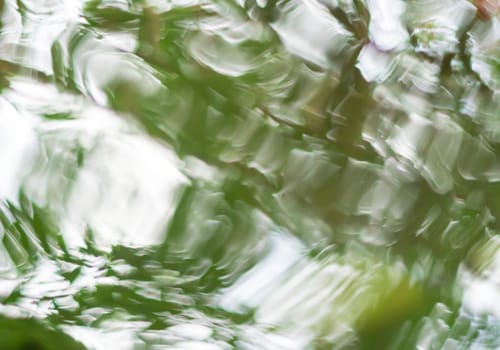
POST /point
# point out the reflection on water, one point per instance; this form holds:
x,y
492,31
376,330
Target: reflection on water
x,y
271,174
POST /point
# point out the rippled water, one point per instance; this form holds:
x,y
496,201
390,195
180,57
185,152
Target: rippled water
x,y
300,174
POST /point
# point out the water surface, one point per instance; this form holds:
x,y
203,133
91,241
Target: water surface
x,y
246,174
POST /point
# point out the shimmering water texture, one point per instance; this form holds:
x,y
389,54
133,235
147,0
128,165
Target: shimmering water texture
x,y
249,174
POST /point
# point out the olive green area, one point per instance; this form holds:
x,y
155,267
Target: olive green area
x,y
310,146
27,334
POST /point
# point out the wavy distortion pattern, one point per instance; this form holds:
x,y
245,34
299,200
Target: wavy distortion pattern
x,y
220,174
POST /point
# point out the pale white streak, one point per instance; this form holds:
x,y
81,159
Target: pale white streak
x,y
17,148
99,339
126,191
201,171
98,63
374,65
195,332
101,66
482,292
486,50
438,23
12,29
196,345
306,298
408,138
386,28
218,37
127,186
208,50
309,31
30,43
248,291
36,98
